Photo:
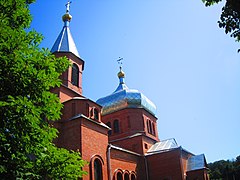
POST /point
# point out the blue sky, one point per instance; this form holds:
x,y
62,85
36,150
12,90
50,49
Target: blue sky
x,y
173,52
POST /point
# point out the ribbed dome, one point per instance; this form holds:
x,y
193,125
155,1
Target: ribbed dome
x,y
123,97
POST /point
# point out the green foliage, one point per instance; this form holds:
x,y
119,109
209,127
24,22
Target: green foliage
x,y
230,17
26,105
210,2
225,169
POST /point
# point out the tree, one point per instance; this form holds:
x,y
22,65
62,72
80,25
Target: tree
x,y
237,167
223,169
27,73
230,17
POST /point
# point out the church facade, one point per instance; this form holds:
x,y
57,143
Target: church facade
x,y
117,134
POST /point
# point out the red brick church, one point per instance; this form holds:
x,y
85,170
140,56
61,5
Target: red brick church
x,y
117,134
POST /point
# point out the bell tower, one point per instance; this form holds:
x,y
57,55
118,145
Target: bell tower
x,y
65,46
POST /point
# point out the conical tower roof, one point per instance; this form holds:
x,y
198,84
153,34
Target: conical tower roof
x,y
65,42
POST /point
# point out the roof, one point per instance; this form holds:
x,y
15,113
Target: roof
x,y
163,146
196,162
82,98
124,150
85,117
123,97
65,42
128,137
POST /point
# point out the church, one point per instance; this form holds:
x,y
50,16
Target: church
x,y
118,133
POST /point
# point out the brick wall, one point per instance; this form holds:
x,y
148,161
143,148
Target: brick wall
x,y
132,120
125,162
94,143
88,136
165,165
67,75
77,106
200,174
69,134
139,144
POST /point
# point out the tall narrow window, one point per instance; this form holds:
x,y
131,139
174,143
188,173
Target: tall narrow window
x,y
145,146
153,129
97,170
119,176
148,126
110,131
75,75
96,116
126,176
133,177
116,126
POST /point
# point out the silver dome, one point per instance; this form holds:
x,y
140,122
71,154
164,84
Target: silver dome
x,y
123,97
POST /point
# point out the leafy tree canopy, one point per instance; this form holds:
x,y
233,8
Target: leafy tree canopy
x,y
225,169
27,73
230,17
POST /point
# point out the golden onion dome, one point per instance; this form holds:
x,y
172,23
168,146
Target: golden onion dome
x,y
66,17
121,74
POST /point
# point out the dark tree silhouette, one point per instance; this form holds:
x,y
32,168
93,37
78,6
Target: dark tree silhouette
x,y
229,18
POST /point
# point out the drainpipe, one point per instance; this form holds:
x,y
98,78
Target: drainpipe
x,y
146,167
184,176
108,162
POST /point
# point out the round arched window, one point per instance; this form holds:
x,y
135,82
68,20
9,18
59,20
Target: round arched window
x,y
153,129
119,176
96,115
75,75
97,170
133,177
126,176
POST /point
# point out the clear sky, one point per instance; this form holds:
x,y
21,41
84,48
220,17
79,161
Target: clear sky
x,y
173,52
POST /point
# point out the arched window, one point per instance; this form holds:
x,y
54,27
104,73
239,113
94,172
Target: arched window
x,y
97,170
96,115
110,131
91,113
126,176
148,126
119,176
75,75
153,128
116,126
145,146
133,177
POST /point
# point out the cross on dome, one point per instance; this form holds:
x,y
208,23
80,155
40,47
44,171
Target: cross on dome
x,y
67,17
65,42
68,6
121,74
